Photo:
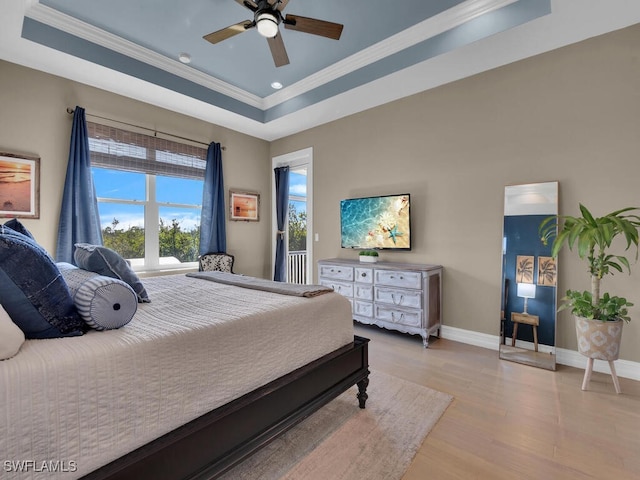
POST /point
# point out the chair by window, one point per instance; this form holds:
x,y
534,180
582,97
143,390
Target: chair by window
x,y
216,262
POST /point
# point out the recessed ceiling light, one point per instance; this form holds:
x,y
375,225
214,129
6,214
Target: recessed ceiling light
x,y
184,58
276,85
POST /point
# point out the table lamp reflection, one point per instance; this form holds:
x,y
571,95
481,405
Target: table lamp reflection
x,y
526,291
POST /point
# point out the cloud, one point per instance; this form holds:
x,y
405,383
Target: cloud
x,y
300,190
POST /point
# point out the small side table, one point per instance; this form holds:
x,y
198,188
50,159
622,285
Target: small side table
x,y
532,320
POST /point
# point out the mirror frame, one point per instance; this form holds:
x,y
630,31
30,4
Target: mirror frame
x,y
526,259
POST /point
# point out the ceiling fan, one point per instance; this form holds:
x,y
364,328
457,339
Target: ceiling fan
x,y
267,16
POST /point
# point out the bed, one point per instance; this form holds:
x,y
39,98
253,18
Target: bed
x,y
200,378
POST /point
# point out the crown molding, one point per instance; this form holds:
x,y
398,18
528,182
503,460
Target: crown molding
x,y
420,32
431,27
80,29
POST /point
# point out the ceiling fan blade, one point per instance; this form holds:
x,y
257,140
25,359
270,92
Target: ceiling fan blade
x,y
278,52
279,4
314,26
228,32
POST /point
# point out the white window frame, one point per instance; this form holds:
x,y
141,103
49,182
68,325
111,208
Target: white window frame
x,y
151,208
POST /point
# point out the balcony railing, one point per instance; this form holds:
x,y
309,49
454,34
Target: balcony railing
x,y
297,267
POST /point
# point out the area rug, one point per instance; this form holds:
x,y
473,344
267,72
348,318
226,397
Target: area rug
x,y
344,442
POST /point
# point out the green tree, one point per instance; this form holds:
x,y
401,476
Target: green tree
x,y
128,243
297,229
174,242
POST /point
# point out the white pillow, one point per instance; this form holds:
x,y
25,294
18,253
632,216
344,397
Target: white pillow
x,y
11,337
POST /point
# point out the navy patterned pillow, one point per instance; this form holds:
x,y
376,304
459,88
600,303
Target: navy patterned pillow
x,y
32,290
14,224
105,261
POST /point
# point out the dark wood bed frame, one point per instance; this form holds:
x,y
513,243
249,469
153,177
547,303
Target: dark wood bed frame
x,y
213,443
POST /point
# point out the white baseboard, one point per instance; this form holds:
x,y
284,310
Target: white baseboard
x,y
571,358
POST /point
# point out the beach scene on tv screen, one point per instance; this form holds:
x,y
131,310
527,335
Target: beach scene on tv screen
x,y
375,222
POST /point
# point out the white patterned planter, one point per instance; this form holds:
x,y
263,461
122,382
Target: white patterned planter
x,y
599,340
368,259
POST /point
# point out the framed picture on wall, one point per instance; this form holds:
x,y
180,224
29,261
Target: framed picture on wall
x,y
244,206
524,269
547,272
19,186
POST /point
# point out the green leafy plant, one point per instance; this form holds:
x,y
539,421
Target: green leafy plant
x,y
607,309
368,253
592,237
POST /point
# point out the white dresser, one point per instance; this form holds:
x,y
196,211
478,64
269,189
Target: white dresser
x,y
398,296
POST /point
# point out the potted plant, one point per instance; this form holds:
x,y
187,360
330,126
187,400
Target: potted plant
x,y
369,256
599,317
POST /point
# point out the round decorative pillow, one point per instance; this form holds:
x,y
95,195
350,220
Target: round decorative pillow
x,y
104,303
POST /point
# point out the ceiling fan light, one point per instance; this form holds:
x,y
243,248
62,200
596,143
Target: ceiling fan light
x,y
267,25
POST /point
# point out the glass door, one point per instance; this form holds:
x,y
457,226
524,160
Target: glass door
x,y
299,220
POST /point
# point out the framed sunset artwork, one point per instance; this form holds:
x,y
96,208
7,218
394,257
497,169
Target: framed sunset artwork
x,y
19,186
244,206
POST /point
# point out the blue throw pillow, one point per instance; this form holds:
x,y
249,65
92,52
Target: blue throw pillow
x,y
105,261
14,224
32,290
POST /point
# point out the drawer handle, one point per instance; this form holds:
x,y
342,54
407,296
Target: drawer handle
x,y
363,274
393,298
393,316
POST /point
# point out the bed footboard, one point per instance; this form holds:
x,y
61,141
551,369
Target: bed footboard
x,y
212,444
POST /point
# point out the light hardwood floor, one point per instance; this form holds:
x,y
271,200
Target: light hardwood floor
x,y
512,421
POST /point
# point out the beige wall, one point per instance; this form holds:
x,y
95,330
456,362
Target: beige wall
x,y
571,115
33,120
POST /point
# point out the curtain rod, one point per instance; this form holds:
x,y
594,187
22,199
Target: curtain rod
x,y
70,112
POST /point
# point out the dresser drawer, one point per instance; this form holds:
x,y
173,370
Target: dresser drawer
x,y
364,309
397,278
344,289
364,275
337,272
363,292
411,318
399,298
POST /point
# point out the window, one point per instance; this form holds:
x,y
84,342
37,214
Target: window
x,y
149,193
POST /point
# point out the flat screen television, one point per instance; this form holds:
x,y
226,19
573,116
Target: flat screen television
x,y
381,222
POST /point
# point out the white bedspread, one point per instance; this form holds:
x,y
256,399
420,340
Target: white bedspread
x,y
74,404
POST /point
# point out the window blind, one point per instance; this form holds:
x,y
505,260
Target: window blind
x,y
119,149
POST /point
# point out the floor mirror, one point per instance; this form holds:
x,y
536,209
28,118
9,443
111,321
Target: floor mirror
x,y
529,277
